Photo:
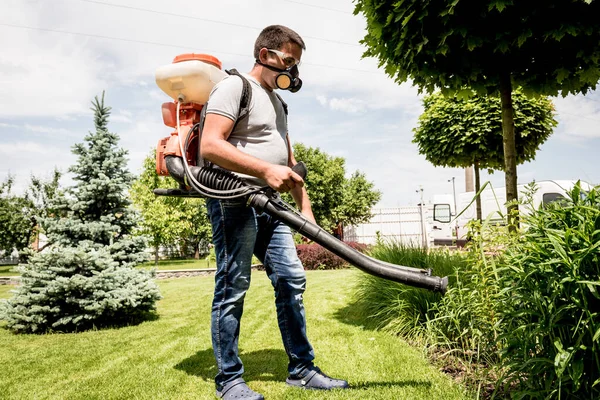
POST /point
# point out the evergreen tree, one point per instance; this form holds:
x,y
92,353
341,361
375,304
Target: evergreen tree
x,y
97,206
87,279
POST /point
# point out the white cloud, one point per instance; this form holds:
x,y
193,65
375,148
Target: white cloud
x,y
348,105
45,129
22,148
122,116
578,116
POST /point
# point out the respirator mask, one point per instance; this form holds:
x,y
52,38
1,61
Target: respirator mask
x,y
286,79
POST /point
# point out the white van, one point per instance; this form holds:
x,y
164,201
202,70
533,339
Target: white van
x,y
441,233
493,205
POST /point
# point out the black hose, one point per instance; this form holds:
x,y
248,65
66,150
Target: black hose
x,y
409,276
223,184
175,167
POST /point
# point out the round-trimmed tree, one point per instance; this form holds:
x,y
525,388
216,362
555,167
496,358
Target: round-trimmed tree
x,y
460,132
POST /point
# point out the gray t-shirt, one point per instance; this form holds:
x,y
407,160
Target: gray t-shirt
x,y
263,132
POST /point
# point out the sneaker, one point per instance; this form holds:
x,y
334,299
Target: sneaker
x,y
316,379
238,390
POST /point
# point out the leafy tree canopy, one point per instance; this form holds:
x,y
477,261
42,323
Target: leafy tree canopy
x,y
335,198
16,219
489,46
19,214
455,132
546,47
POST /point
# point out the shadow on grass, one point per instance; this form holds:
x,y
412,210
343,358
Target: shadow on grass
x,y
259,365
268,365
125,322
369,385
353,314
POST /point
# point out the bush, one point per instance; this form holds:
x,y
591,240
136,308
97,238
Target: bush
x,y
314,256
397,308
74,289
551,305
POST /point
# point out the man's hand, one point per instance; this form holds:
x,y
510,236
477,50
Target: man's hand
x,y
282,178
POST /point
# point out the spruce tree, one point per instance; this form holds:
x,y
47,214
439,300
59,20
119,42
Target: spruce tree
x,y
86,278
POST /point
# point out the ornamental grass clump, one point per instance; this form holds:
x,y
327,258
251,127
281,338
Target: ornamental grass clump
x,y
400,309
550,303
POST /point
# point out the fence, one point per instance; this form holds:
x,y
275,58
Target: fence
x,y
9,261
407,225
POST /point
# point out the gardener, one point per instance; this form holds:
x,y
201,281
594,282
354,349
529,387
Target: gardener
x,y
258,149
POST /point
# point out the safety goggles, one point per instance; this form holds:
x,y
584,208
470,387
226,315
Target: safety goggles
x,y
287,59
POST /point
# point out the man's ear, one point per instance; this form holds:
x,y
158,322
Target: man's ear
x,y
262,55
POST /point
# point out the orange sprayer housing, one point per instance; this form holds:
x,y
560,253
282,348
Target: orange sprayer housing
x,y
189,115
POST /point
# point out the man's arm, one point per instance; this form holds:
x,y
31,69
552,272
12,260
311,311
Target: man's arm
x,y
215,148
299,192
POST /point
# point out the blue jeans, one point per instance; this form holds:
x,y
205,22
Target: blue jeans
x,y
239,232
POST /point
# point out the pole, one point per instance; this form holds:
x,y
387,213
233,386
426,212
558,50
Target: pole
x,y
423,229
453,193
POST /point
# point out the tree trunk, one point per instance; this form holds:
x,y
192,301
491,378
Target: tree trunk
x,y
469,179
510,151
197,250
156,255
477,188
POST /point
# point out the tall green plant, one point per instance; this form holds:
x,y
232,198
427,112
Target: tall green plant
x,y
466,323
551,303
400,309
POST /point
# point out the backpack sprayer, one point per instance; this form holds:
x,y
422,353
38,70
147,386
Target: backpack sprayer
x,y
188,81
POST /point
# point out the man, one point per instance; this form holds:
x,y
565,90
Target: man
x,y
257,148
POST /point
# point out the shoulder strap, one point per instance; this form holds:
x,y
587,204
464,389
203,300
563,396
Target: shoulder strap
x,y
245,100
246,97
283,103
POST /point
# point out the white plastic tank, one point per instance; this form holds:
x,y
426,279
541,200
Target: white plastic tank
x,y
191,75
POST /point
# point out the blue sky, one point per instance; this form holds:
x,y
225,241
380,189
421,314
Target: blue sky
x,y
57,55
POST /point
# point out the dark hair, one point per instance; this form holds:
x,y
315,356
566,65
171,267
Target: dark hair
x,y
274,37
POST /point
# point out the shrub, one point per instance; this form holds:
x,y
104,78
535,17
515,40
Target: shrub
x,y
314,256
551,305
74,289
397,308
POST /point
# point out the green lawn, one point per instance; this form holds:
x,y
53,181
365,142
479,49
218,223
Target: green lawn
x,y
180,264
171,357
8,270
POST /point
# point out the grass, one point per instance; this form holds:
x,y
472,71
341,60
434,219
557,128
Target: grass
x,y
180,264
171,357
8,270
163,265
